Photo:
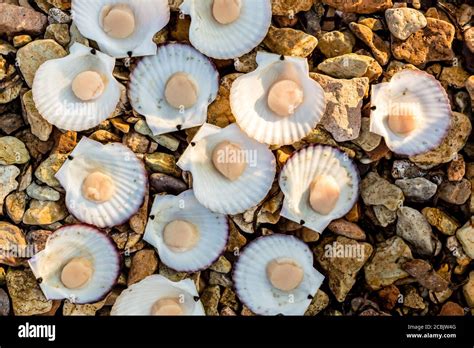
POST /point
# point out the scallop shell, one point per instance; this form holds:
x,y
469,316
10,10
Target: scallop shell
x,y
300,171
255,290
148,84
150,15
71,242
216,192
213,229
55,99
422,92
232,40
118,162
139,298
249,103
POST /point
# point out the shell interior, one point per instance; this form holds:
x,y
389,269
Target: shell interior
x,y
422,95
139,298
150,17
248,100
300,171
231,40
71,242
114,160
216,192
148,84
55,99
213,231
252,284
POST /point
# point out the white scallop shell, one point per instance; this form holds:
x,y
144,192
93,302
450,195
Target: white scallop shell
x,y
55,100
71,242
255,290
212,189
298,174
118,162
248,101
428,99
148,84
213,231
150,17
139,298
231,40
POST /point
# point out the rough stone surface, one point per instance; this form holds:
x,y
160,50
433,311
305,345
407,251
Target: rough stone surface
x,y
442,221
11,238
31,56
342,258
422,271
290,7
39,126
455,140
362,6
413,227
379,191
350,65
290,42
430,44
336,43
347,229
417,189
13,151
18,19
319,302
465,236
144,263
8,181
44,213
385,267
26,295
342,117
367,140
455,192
404,21
48,168
379,48
468,290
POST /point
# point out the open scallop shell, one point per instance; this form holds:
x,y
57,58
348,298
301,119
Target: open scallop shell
x,y
255,290
139,298
429,101
119,163
71,242
216,192
55,100
150,16
148,84
298,174
248,101
213,231
231,40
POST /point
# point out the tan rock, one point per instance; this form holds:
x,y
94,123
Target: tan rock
x,y
385,267
39,126
290,42
465,236
219,112
360,6
442,221
319,302
13,151
351,65
379,191
15,205
342,258
44,213
13,240
454,141
431,44
8,183
423,272
290,7
342,117
144,263
468,290
48,168
379,48
336,43
27,297
33,55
